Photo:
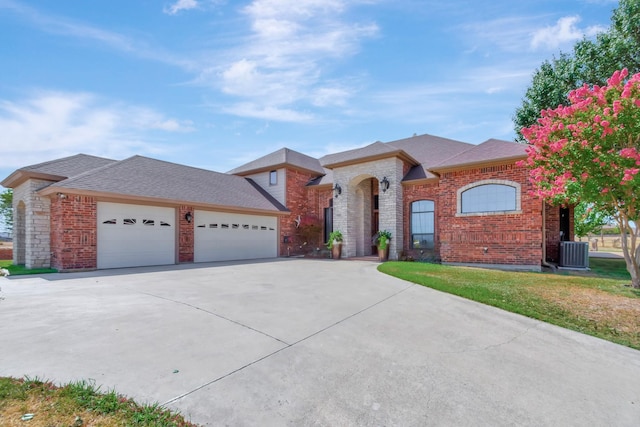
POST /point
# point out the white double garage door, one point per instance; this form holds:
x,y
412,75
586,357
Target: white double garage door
x,y
137,235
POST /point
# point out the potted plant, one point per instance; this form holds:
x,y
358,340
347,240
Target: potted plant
x,y
335,244
382,239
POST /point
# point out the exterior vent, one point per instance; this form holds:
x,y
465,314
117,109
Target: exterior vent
x,y
574,254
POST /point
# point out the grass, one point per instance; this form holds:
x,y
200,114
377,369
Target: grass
x,y
605,307
17,270
76,404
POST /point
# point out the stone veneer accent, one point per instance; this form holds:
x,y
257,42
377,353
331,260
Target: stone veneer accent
x,y
352,209
32,227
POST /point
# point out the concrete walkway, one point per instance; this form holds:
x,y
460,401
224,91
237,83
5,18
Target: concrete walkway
x,y
308,342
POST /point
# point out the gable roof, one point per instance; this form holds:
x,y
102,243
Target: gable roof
x,y
377,150
492,150
143,178
56,170
280,158
429,150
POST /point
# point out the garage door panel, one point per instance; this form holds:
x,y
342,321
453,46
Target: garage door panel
x,y
135,235
221,236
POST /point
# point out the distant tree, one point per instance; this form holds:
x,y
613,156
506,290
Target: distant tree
x,y
549,88
6,208
588,219
592,62
589,151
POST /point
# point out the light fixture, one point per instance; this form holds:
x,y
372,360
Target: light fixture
x,y
384,184
188,217
337,190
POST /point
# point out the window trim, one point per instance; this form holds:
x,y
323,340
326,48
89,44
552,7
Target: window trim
x,y
516,185
272,174
435,220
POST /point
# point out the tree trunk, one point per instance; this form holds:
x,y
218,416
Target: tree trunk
x,y
630,250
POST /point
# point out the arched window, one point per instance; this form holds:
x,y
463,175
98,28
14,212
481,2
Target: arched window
x,y
422,224
489,196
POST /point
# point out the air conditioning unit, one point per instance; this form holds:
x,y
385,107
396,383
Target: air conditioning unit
x,y
574,254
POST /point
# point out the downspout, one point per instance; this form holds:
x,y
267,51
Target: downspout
x,y
544,238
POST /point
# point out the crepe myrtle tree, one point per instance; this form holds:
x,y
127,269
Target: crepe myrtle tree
x,y
589,151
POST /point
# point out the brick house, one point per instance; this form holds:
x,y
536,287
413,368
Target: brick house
x,y
441,199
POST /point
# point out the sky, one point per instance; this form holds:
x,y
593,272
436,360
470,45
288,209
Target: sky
x,y
217,83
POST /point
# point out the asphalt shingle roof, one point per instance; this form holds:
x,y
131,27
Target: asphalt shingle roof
x,y
145,177
60,168
279,158
351,156
490,150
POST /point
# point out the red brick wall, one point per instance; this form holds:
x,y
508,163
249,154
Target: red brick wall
x,y
185,235
298,203
492,239
413,193
73,232
552,221
6,253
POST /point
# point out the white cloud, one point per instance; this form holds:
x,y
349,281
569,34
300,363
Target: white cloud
x,y
268,112
54,124
509,34
66,27
564,31
180,5
282,64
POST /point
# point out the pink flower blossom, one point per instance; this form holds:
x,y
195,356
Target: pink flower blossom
x,y
617,107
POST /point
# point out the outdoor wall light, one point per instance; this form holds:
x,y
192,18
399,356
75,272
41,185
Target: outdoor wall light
x,y
384,184
62,195
337,190
188,217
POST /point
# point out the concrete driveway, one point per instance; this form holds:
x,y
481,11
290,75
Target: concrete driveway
x,y
304,342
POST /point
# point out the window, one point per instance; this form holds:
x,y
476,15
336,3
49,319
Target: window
x,y
273,177
489,197
110,221
129,221
148,222
422,224
165,224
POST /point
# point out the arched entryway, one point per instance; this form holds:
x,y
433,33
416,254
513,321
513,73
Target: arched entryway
x,y
366,218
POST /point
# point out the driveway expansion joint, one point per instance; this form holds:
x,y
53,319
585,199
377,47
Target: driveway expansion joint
x,y
228,374
219,316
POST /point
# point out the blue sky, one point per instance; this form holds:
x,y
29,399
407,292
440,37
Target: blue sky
x,y
215,83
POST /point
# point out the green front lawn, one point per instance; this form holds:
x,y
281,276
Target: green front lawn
x,y
17,270
600,306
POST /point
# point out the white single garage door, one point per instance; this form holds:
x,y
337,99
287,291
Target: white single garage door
x,y
221,236
135,235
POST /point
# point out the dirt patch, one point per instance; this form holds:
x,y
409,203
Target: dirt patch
x,y
610,311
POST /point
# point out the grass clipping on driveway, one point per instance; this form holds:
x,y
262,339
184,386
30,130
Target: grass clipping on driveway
x,y
603,307
35,403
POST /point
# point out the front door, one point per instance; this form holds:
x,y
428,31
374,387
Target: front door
x,y
565,224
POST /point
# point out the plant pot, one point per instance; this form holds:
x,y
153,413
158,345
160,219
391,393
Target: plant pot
x,y
336,250
383,254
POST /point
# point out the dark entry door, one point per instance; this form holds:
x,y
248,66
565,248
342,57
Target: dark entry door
x,y
328,222
565,224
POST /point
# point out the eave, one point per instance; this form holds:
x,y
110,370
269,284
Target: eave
x,y
52,191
